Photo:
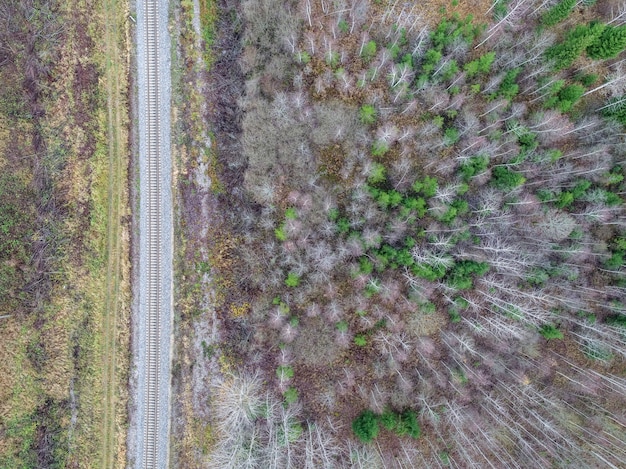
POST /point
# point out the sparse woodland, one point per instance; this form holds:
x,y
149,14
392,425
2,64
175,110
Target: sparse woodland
x,y
429,237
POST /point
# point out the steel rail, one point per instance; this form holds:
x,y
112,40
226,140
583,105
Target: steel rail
x,y
151,424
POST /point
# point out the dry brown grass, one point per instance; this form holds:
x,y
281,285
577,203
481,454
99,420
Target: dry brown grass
x,y
72,336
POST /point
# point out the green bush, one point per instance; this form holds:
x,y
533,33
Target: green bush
x,y
454,314
615,261
617,320
280,233
567,97
367,114
365,426
284,372
505,179
379,148
480,65
565,199
615,109
408,424
290,395
360,340
550,331
389,420
416,204
365,266
292,280
609,44
378,174
450,136
369,51
343,225
343,26
508,87
428,272
575,42
587,79
449,70
474,166
342,326
527,141
580,188
427,186
558,12
431,58
460,276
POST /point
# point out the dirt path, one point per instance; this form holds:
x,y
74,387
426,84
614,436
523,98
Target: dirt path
x,y
114,14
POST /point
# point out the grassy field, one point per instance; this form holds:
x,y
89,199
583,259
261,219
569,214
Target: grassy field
x,y
117,244
64,359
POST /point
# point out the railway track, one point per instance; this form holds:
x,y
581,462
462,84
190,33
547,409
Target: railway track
x,y
153,420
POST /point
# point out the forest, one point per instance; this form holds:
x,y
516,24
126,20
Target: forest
x,y
418,242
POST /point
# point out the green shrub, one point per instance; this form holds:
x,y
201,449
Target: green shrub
x,y
428,272
527,141
615,109
343,225
365,266
615,261
558,12
290,395
505,179
292,280
449,215
360,340
378,174
537,276
408,424
480,65
367,114
365,426
450,136
343,26
474,166
454,314
460,276
427,186
568,96
416,204
609,44
550,331
284,372
291,214
449,70
565,199
431,58
508,87
280,233
303,57
379,148
389,420
587,79
580,189
342,326
617,320
575,42
369,51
